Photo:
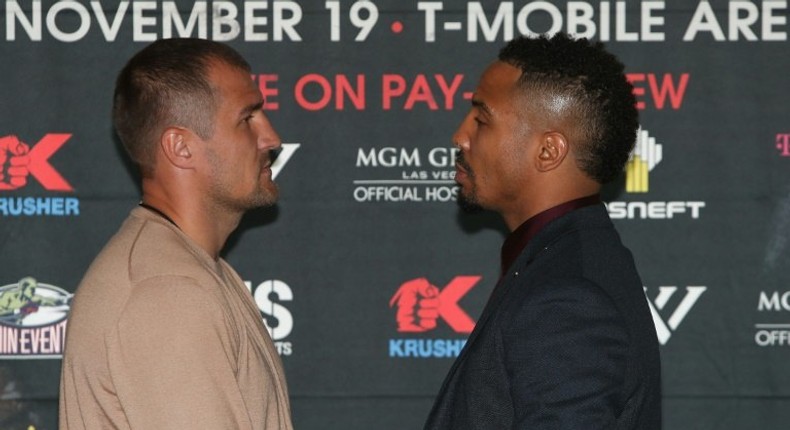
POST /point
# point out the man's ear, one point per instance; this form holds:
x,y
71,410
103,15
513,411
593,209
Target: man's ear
x,y
177,147
552,151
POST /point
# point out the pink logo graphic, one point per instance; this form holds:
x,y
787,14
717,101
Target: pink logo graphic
x,y
18,161
420,304
783,144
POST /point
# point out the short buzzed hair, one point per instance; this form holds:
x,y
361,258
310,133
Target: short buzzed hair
x,y
600,100
166,84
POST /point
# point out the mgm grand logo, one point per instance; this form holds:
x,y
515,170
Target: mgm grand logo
x,y
33,319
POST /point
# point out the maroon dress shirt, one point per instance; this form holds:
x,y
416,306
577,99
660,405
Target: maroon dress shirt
x,y
517,240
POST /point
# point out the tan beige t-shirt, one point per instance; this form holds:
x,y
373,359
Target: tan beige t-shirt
x,y
162,336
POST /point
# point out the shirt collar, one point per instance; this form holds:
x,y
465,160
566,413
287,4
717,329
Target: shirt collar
x,y
518,239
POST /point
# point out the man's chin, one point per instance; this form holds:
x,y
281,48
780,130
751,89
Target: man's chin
x,y
268,198
469,204
265,197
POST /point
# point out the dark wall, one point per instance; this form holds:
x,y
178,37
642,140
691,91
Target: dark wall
x,y
367,197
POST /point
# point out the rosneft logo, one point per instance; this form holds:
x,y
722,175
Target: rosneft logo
x,y
646,155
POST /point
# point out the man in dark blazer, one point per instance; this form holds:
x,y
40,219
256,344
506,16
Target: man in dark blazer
x,y
566,340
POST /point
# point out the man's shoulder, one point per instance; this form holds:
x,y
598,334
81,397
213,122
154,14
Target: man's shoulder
x,y
142,250
586,238
571,286
585,226
580,257
160,250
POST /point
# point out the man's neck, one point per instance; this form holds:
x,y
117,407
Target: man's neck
x,y
520,211
210,232
208,227
523,234
517,215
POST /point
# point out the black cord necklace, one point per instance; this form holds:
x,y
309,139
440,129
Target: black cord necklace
x,y
158,212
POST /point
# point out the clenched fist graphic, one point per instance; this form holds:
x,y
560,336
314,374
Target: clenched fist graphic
x,y
14,161
418,306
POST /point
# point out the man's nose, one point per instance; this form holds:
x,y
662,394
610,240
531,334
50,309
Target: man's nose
x,y
461,136
268,138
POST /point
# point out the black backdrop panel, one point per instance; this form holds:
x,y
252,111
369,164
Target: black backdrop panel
x,y
366,95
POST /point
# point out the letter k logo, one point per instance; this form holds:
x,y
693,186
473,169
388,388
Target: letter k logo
x,y
420,304
34,161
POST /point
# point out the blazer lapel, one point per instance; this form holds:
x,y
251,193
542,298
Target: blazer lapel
x,y
595,214
494,300
541,242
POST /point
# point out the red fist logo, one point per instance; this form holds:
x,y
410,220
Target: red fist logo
x,y
14,163
18,161
418,306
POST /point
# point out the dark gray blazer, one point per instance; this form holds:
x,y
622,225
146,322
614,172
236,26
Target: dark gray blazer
x,y
566,340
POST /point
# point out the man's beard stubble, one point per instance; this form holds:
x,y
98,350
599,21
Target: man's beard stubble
x,y
467,202
264,195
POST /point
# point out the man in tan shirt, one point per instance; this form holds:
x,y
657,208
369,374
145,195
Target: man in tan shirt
x,y
163,334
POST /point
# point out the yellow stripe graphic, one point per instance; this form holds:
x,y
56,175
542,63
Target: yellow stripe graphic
x,y
636,175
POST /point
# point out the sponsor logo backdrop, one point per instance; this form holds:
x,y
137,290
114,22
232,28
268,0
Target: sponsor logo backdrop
x,y
366,273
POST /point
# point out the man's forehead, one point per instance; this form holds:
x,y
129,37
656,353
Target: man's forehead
x,y
500,75
220,72
497,84
228,80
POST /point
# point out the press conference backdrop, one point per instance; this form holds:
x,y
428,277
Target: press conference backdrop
x,y
365,95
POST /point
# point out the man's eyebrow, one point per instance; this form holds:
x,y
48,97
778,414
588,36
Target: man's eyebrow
x,y
252,108
481,105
